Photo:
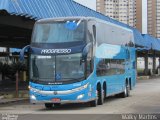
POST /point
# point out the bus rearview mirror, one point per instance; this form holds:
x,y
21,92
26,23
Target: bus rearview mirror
x,y
82,60
21,56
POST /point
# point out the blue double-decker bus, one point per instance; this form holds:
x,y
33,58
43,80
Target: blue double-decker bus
x,y
80,59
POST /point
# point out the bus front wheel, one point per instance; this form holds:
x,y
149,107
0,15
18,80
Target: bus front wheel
x,y
93,103
100,95
48,105
57,104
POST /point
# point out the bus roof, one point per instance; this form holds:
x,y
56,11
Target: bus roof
x,y
82,18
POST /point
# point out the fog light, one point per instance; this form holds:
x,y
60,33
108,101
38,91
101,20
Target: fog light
x,y
32,97
80,96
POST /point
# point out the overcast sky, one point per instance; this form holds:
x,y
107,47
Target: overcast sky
x,y
89,3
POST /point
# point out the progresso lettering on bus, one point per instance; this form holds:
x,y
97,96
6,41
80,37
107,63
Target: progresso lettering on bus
x,y
59,51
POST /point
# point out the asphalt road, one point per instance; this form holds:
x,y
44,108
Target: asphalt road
x,y
144,99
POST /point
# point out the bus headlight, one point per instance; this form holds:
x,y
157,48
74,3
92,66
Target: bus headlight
x,y
34,90
29,87
32,97
80,96
85,86
81,88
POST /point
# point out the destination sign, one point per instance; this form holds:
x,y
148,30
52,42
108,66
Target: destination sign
x,y
54,51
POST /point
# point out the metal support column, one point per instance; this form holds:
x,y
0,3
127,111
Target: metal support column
x,y
17,86
154,62
146,63
159,62
136,64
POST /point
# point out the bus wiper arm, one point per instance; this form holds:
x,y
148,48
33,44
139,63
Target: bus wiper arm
x,y
74,78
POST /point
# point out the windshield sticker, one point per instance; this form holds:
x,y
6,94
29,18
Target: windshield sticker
x,y
71,25
58,76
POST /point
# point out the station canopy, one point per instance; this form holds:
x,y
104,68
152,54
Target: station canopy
x,y
18,16
152,43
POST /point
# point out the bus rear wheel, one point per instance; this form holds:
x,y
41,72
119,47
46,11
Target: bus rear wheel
x,y
48,105
104,92
126,92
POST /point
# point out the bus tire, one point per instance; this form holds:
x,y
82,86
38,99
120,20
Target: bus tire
x,y
126,92
48,105
104,91
57,104
93,103
100,95
130,84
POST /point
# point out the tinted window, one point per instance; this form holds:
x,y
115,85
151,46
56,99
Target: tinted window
x,y
120,66
107,67
110,34
57,32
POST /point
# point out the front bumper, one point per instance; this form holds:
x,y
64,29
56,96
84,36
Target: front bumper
x,y
68,96
62,101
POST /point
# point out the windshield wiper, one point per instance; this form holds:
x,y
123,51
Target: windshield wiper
x,y
79,79
35,79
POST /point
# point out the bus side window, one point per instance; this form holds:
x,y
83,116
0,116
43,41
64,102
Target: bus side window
x,y
108,67
120,66
111,67
101,68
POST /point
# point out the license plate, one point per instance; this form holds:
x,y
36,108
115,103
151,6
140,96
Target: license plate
x,y
56,100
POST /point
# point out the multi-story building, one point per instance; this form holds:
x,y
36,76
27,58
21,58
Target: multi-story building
x,y
100,6
139,17
148,16
154,18
142,15
121,10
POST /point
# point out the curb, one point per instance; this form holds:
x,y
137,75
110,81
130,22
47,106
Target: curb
x,y
12,95
143,77
1,97
16,100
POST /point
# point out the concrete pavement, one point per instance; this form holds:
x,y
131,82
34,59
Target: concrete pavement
x,y
12,100
8,97
144,99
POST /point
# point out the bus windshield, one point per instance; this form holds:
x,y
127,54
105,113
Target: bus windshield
x,y
58,32
57,68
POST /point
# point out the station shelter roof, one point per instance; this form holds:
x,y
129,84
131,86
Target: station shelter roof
x,y
152,42
39,9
